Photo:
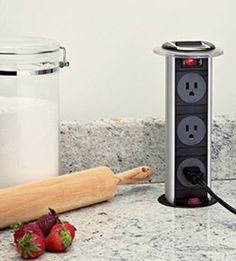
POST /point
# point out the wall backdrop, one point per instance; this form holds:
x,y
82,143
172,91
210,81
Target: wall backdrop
x,y
114,72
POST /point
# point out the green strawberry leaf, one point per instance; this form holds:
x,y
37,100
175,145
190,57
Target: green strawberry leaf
x,y
15,227
65,237
27,245
34,248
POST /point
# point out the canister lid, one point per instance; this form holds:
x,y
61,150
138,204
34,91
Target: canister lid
x,y
189,49
27,45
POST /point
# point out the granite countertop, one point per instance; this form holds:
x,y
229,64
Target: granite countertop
x,y
134,226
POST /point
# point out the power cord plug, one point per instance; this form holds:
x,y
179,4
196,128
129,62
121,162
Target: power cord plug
x,y
195,176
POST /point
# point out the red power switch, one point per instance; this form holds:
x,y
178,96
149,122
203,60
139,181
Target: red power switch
x,y
191,62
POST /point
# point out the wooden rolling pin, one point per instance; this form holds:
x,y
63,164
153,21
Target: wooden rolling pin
x,y
63,193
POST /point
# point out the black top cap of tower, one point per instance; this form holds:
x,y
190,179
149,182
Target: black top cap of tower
x,y
189,46
183,49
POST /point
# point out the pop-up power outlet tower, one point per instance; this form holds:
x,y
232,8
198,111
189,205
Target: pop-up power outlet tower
x,y
188,119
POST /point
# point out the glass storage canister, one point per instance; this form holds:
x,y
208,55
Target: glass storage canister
x,y
29,109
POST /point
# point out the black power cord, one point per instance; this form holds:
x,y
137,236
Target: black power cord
x,y
195,176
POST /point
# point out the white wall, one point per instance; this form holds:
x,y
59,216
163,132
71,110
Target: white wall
x,y
113,71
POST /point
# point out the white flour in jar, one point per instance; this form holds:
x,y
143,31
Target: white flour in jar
x,y
28,140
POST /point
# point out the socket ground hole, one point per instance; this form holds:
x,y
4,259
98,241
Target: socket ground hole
x,y
191,136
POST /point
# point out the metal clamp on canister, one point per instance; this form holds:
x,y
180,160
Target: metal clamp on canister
x,y
64,62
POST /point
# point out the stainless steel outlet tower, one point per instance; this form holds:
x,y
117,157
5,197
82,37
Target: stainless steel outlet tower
x,y
188,118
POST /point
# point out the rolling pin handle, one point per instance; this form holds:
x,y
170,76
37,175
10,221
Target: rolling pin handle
x,y
136,175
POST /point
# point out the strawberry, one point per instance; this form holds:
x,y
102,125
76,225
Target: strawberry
x,y
58,240
30,246
46,222
67,225
21,229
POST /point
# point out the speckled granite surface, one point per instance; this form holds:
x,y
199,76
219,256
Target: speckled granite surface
x,y
123,144
134,226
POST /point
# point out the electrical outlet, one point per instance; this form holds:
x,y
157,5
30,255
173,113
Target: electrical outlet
x,y
191,87
191,130
190,162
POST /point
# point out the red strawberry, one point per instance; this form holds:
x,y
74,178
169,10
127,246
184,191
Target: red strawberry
x,y
68,226
46,222
30,246
21,229
58,240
